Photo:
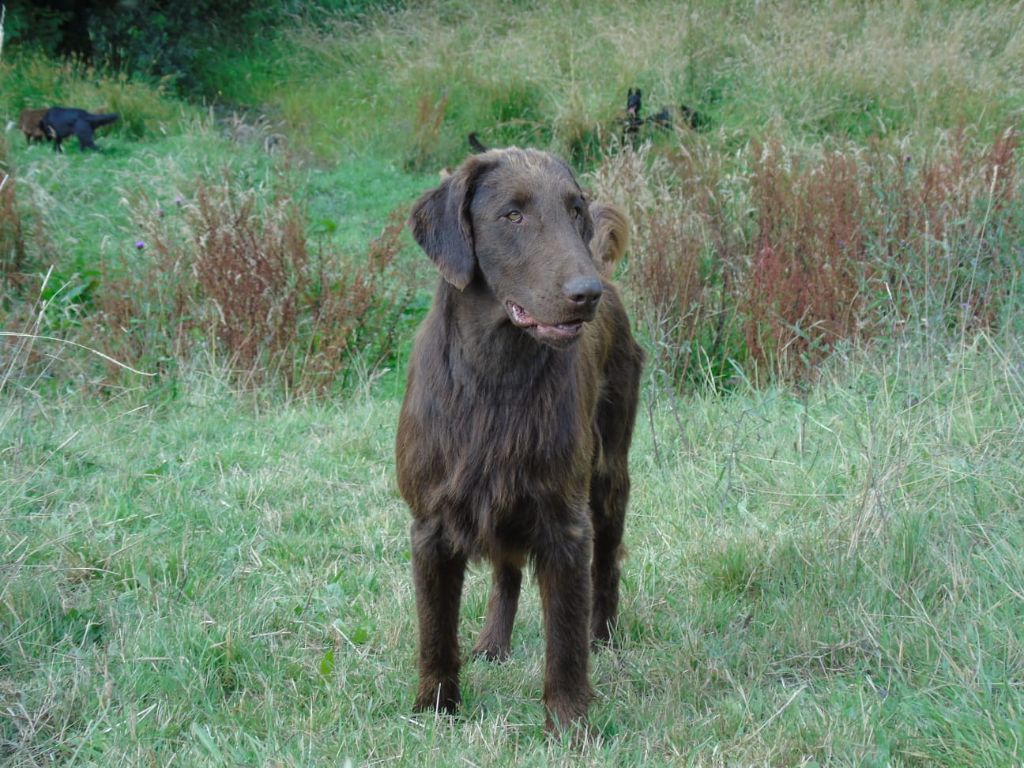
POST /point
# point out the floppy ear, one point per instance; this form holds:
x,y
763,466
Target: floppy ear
x,y
441,224
611,236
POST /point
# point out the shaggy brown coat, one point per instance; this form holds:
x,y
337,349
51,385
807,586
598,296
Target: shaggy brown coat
x,y
29,123
513,437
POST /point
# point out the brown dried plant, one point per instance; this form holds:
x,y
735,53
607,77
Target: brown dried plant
x,y
230,275
768,266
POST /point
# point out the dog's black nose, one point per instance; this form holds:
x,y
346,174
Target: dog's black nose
x,y
584,291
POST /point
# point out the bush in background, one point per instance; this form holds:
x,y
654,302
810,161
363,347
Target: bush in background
x,y
159,39
229,275
556,75
690,238
765,269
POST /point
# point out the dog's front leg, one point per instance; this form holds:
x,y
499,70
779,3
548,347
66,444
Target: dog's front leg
x,y
563,573
438,574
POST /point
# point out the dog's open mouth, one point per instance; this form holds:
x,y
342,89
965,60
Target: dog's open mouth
x,y
559,332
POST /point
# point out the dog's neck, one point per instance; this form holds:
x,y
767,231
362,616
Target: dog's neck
x,y
481,332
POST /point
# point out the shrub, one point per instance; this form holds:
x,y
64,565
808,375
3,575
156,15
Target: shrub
x,y
949,229
766,262
248,265
804,289
12,239
230,275
686,256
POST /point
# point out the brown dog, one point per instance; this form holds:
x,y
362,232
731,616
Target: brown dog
x,y
513,436
29,123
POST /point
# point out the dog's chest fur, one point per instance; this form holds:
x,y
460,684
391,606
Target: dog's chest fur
x,y
487,451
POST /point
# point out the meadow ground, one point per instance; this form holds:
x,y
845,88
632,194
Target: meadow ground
x,y
831,577
209,566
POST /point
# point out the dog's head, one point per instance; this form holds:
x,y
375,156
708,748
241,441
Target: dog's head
x,y
515,222
633,103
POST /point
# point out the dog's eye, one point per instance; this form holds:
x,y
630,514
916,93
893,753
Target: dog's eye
x,y
515,217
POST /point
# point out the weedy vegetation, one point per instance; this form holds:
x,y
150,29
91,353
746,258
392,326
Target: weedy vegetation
x,y
203,334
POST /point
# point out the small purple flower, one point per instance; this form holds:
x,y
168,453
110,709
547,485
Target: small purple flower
x,y
179,200
140,244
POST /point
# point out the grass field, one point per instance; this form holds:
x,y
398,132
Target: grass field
x,y
210,566
413,82
832,577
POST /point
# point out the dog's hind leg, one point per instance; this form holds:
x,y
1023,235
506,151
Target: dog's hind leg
x,y
609,493
495,642
84,133
438,574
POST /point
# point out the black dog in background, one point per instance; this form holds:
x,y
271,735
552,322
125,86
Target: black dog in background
x,y
60,122
634,105
665,118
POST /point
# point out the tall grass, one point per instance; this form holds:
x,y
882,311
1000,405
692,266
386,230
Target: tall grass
x,y
556,74
828,577
838,190
32,81
172,250
228,274
762,265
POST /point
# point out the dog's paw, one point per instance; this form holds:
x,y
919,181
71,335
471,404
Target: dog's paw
x,y
491,651
443,697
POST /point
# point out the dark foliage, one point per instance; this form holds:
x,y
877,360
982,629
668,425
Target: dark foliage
x,y
161,38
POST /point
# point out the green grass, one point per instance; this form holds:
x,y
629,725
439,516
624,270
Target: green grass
x,y
826,573
85,200
830,577
411,83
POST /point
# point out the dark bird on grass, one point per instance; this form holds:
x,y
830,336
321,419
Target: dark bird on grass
x,y
665,118
683,115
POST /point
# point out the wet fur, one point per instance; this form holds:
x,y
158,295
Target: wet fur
x,y
510,448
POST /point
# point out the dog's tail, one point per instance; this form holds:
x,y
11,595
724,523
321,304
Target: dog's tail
x,y
611,236
95,121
